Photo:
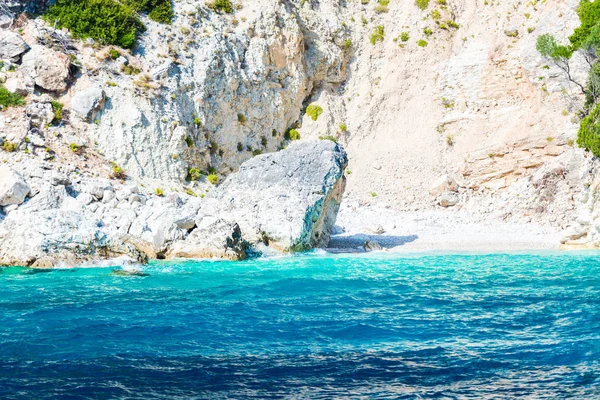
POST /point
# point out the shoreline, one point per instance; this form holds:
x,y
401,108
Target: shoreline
x,y
438,230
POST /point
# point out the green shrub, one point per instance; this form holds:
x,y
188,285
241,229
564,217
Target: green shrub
x,y
404,36
118,172
159,192
241,118
240,146
213,178
313,111
377,35
422,4
130,69
189,141
422,43
343,127
193,174
9,146
589,15
453,24
8,99
347,44
220,6
328,137
588,135
547,46
158,10
114,53
57,107
292,134
107,21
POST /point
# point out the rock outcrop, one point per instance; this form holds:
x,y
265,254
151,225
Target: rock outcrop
x,y
287,200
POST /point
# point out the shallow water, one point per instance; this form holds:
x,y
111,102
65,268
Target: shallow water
x,y
311,326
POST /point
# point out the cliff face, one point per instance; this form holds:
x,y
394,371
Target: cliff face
x,y
212,92
456,93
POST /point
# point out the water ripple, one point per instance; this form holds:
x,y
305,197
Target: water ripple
x,y
316,326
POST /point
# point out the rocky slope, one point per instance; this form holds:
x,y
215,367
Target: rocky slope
x,y
449,109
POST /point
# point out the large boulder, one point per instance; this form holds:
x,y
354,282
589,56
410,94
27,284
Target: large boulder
x,y
287,200
87,102
49,69
12,45
13,188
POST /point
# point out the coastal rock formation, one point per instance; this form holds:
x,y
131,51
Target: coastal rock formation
x,y
287,200
446,114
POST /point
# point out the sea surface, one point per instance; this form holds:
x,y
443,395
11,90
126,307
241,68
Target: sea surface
x,y
433,326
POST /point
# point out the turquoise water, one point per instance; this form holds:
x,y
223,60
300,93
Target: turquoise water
x,y
312,326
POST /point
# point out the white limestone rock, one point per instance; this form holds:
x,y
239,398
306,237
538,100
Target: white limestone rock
x,y
88,102
12,45
48,68
13,188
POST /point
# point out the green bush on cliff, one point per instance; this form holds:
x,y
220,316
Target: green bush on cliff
x,y
107,21
589,15
314,111
586,38
158,10
8,99
221,6
589,132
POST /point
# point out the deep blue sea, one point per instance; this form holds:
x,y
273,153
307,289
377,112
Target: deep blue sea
x,y
310,326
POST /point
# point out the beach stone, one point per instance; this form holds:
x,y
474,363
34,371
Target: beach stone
x,y
13,188
443,183
40,114
213,238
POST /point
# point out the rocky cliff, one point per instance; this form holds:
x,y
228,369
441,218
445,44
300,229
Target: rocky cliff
x,y
444,107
